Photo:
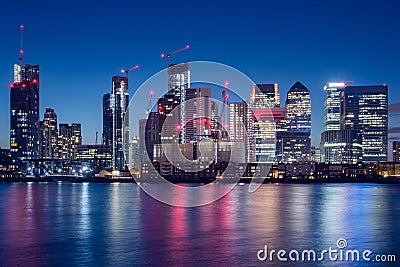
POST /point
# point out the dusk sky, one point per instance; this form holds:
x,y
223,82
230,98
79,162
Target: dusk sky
x,y
80,46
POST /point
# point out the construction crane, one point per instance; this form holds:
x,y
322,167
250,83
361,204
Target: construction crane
x,y
225,97
168,55
128,70
21,51
150,102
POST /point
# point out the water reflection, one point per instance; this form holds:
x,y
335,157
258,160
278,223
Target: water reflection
x,y
118,224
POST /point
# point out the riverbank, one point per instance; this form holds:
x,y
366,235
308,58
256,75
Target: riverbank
x,y
75,179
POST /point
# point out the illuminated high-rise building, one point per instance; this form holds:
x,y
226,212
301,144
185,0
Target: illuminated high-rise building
x,y
24,113
169,124
298,108
69,137
365,110
116,121
49,135
296,142
333,98
178,82
265,95
197,114
261,138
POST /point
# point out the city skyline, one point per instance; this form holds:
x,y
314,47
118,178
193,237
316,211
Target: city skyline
x,y
342,56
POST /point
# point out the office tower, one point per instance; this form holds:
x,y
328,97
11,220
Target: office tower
x,y
24,113
95,157
169,124
365,110
280,129
265,95
238,119
333,97
396,151
337,145
69,137
151,134
116,121
340,147
297,140
261,136
49,135
178,82
134,153
197,114
298,109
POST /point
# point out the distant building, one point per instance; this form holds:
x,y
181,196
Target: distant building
x,y
169,124
315,154
197,114
238,120
95,156
340,147
296,143
49,135
333,99
116,121
178,82
261,136
265,95
365,110
24,113
69,137
396,151
151,135
135,154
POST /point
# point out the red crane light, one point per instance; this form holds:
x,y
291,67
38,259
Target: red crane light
x,y
23,85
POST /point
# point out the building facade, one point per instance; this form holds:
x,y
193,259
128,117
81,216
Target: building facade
x,y
178,82
365,110
296,143
116,121
69,138
197,114
49,135
24,113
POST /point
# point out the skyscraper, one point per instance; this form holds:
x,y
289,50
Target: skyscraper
x,y
333,97
49,135
297,143
197,114
365,110
69,138
178,82
116,121
261,138
24,112
169,125
265,95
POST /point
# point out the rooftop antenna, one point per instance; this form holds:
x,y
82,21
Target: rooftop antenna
x,y
21,51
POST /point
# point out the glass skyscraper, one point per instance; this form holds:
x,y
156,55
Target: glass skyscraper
x,y
296,141
116,121
365,110
24,113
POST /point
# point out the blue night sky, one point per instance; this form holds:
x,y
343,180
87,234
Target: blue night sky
x,y
79,46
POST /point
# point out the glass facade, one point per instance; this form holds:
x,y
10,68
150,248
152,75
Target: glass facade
x,y
366,111
116,121
24,113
